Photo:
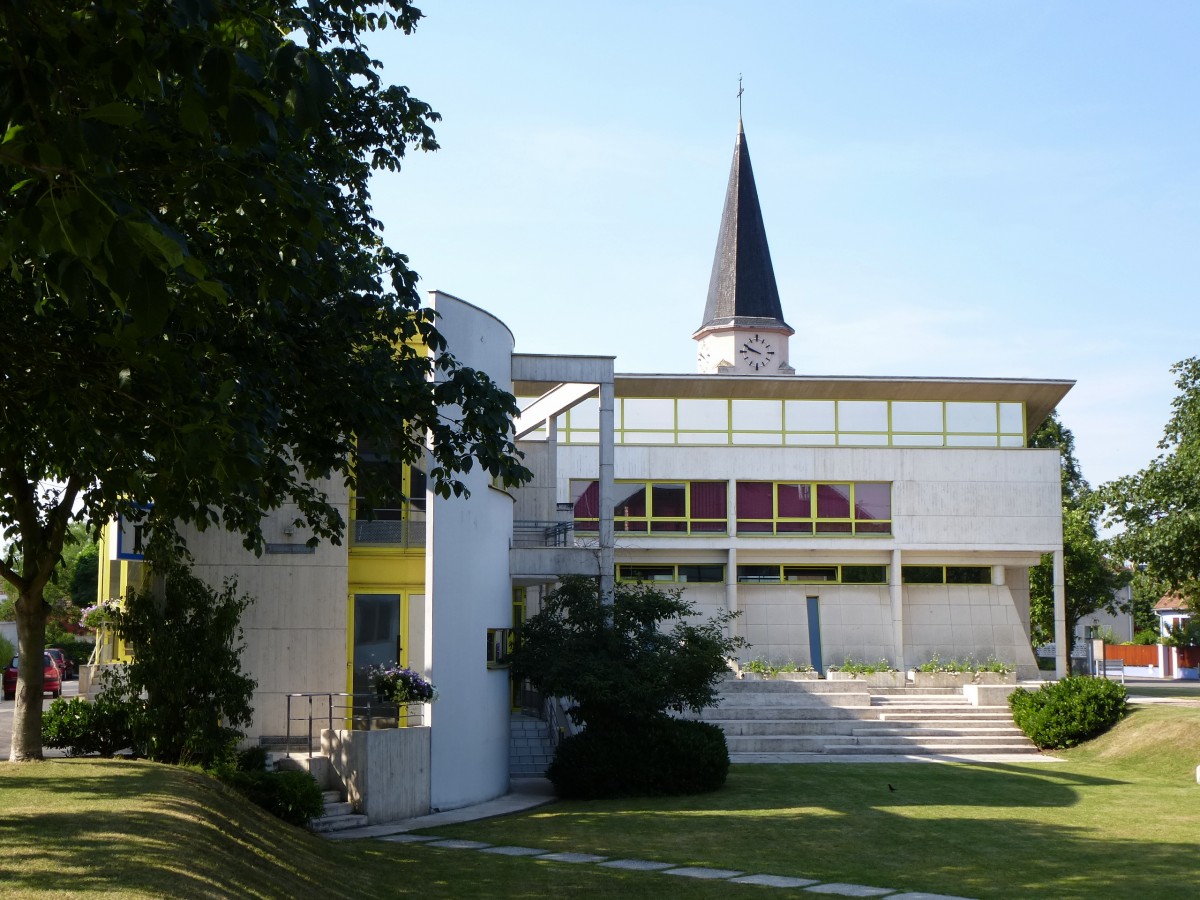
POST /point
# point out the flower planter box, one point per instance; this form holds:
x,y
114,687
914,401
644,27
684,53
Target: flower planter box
x,y
995,677
873,679
958,679
796,676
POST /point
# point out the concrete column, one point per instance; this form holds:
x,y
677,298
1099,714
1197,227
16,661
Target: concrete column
x,y
1062,640
896,590
607,466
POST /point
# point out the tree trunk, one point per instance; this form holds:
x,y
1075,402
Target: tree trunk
x,y
31,645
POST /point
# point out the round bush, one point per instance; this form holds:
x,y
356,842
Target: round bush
x,y
81,727
648,757
1065,713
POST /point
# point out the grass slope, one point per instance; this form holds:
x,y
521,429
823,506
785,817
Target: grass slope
x,y
100,829
1117,819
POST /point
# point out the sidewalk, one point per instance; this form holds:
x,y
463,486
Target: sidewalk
x,y
526,793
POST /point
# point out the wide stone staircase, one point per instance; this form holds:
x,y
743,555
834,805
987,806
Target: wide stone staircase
x,y
851,719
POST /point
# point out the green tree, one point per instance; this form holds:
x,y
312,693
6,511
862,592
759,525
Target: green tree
x,y
636,659
1147,591
1091,578
1159,507
198,308
624,665
187,666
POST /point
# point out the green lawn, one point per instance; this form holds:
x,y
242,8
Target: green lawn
x,y
1118,819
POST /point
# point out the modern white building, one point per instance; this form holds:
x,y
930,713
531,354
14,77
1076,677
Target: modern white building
x,y
870,518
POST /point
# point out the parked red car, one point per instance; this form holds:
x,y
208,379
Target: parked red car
x,y
65,664
51,678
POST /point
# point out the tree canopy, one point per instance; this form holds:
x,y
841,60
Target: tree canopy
x,y
198,307
633,660
1091,578
1159,507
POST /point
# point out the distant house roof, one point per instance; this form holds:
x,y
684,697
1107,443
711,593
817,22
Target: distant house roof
x,y
1171,603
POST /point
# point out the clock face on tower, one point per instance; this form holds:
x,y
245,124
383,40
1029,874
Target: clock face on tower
x,y
757,353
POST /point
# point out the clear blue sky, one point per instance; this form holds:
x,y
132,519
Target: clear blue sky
x,y
950,188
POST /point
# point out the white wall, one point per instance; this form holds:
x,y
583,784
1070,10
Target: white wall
x,y
467,592
955,620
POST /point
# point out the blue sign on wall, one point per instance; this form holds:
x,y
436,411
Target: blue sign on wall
x,y
132,536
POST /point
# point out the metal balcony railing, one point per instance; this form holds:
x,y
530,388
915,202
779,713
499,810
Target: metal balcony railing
x,y
527,533
391,527
309,714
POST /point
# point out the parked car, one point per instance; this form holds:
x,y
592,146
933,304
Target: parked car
x,y
66,665
51,678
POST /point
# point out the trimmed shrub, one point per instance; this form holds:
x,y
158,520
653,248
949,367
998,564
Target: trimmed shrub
x,y
103,726
648,757
252,759
294,797
1067,712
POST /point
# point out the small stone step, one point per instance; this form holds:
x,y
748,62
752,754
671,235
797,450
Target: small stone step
x,y
326,824
941,740
929,748
804,727
933,731
341,808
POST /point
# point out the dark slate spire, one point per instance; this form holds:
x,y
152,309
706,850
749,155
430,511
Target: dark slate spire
x,y
742,290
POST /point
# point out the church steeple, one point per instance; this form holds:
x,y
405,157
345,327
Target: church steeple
x,y
743,299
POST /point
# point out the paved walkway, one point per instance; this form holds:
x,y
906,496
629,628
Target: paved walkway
x,y
534,792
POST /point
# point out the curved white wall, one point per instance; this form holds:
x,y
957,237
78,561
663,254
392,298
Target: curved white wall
x,y
467,592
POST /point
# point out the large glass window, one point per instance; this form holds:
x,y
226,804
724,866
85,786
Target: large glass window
x,y
946,574
918,417
798,423
390,506
862,415
775,573
683,574
766,507
810,415
703,415
659,507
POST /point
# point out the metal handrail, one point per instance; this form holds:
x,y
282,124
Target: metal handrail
x,y
532,533
362,711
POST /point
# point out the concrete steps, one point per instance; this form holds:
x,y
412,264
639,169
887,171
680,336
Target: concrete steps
x,y
845,718
530,750
338,816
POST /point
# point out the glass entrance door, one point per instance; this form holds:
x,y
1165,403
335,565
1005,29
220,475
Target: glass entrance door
x,y
378,635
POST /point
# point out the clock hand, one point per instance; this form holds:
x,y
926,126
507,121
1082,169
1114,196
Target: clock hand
x,y
751,349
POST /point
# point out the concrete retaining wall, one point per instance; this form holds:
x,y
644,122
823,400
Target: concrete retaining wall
x,y
385,772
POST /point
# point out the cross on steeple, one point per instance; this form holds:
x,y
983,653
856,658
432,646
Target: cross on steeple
x,y
740,92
